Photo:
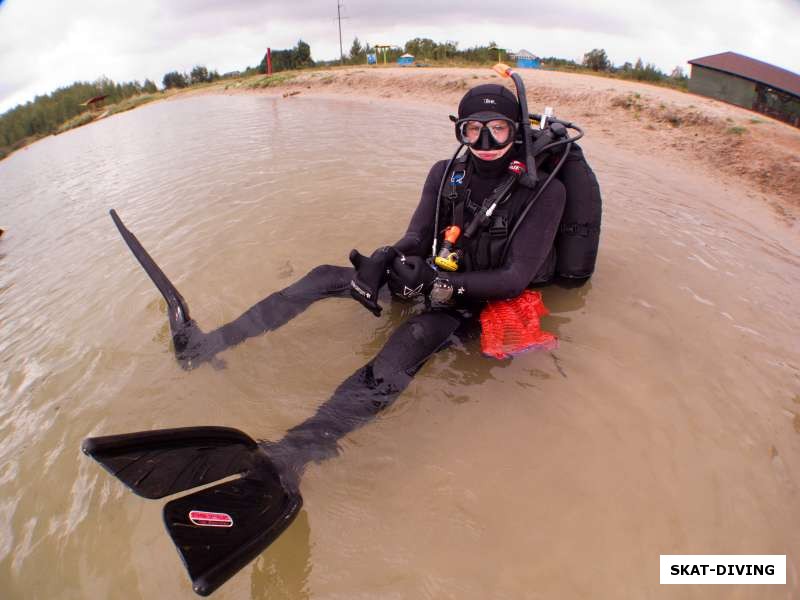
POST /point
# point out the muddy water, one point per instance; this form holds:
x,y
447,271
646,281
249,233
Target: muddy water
x,y
667,422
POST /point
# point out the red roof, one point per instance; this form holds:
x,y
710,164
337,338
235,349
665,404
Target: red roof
x,y
750,68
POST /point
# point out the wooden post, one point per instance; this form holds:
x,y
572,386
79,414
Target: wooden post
x,y
269,61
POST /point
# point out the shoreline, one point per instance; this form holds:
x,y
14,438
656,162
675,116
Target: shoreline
x,y
732,145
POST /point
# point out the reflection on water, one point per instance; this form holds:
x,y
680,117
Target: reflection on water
x,y
665,422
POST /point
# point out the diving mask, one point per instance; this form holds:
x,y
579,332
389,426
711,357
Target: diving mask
x,y
490,132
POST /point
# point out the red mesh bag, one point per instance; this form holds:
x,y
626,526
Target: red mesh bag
x,y
510,327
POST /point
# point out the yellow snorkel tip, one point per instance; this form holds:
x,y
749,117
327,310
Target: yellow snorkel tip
x,y
502,70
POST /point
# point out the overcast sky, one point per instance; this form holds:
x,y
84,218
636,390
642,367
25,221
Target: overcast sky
x,y
45,44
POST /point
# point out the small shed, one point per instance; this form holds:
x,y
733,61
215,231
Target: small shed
x,y
526,59
748,83
406,59
95,103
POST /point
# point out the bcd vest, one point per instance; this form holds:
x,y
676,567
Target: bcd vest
x,y
574,252
485,250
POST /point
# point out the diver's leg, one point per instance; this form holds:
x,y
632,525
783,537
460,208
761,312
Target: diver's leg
x,y
193,347
324,281
218,530
365,393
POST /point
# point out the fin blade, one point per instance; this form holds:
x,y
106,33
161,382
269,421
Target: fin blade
x,y
159,463
246,516
178,309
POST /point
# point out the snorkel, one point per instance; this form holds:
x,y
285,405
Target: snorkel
x,y
538,146
528,179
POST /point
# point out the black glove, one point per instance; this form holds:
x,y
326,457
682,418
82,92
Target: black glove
x,y
410,277
370,276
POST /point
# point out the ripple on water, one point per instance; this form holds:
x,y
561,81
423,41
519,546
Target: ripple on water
x,y
24,548
235,197
7,532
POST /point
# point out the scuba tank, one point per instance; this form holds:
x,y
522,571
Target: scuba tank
x,y
578,236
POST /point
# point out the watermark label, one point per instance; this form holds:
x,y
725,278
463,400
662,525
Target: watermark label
x,y
723,569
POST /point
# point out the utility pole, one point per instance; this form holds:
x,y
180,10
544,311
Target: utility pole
x,y
339,13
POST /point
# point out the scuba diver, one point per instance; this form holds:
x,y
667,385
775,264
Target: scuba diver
x,y
518,208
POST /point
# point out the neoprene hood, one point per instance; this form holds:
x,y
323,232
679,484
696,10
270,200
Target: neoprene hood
x,y
482,100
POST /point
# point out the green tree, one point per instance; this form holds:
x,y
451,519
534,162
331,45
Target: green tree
x,y
357,52
282,60
677,73
596,60
199,74
646,71
45,114
174,79
149,87
560,63
421,47
303,55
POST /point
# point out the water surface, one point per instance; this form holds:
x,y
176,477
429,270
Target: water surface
x,y
666,423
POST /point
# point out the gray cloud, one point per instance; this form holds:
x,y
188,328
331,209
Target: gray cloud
x,y
370,14
47,43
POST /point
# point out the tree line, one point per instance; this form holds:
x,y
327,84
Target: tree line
x,y
422,48
44,114
298,57
595,60
199,74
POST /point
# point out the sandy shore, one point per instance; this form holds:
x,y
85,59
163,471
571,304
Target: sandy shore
x,y
731,145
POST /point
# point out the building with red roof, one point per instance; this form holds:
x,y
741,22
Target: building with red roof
x,y
749,83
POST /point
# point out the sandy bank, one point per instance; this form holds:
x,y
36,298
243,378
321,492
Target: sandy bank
x,y
732,145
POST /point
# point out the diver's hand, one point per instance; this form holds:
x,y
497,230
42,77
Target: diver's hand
x,y
370,275
410,277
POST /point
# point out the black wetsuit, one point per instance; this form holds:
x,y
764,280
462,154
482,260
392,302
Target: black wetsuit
x,y
219,529
375,385
530,255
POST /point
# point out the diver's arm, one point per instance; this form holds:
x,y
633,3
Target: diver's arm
x,y
526,255
419,235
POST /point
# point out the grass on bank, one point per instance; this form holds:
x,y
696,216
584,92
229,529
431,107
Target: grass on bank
x,y
265,81
660,113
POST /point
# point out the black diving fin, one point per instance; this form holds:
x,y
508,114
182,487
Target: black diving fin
x,y
159,463
216,530
178,309
192,346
